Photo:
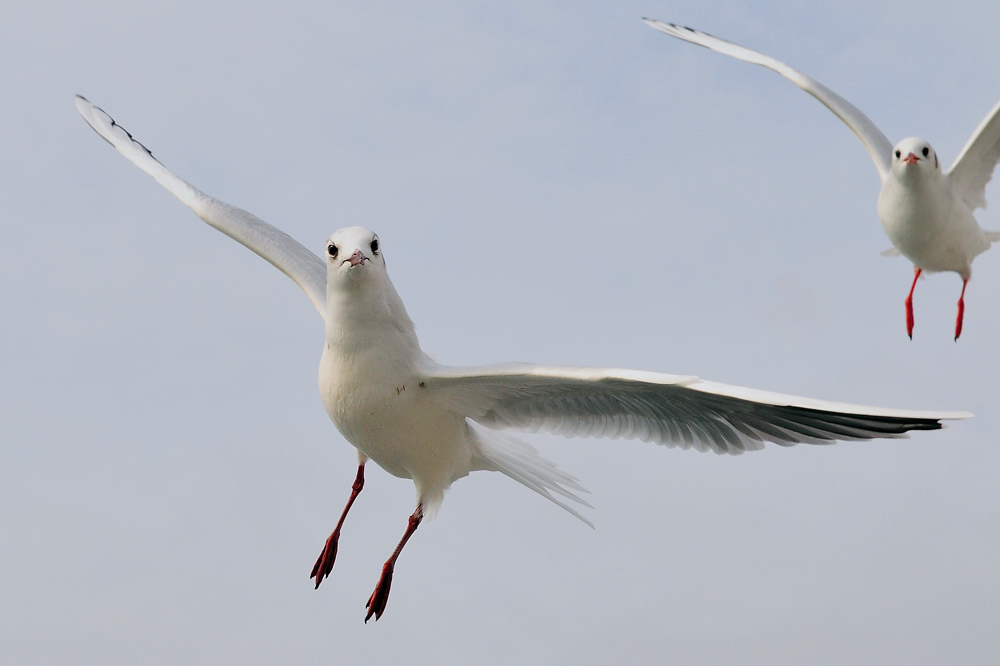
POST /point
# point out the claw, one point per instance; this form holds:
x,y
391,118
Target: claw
x,y
324,564
376,602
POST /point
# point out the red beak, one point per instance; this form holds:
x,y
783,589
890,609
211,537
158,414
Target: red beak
x,y
911,159
358,258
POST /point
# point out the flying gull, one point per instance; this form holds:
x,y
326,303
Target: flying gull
x,y
434,424
927,213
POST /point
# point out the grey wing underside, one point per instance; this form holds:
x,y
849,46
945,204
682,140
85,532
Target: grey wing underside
x,y
974,166
274,245
871,136
679,411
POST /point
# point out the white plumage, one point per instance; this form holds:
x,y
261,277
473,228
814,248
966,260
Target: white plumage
x,y
431,423
925,212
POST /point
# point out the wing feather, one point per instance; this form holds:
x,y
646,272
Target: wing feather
x,y
665,409
871,136
974,166
274,245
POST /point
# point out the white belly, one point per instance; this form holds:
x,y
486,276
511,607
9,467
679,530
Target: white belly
x,y
930,227
384,413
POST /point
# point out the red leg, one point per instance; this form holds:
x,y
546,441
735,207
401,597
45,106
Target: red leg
x,y
324,565
961,310
909,302
376,602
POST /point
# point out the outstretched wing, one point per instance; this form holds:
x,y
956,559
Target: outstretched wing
x,y
287,254
665,409
877,144
974,166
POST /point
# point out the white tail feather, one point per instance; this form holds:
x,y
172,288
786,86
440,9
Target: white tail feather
x,y
520,461
992,236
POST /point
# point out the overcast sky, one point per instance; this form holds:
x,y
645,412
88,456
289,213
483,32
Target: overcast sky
x,y
551,182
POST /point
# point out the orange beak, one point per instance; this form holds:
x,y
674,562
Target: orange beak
x,y
911,159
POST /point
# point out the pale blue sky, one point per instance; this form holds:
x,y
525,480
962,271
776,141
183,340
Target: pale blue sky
x,y
552,182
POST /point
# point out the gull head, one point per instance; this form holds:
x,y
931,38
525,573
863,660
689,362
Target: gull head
x,y
913,156
353,255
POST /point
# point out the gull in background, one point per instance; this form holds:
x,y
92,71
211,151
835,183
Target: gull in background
x,y
434,424
926,213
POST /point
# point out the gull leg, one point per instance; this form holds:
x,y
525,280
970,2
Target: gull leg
x,y
961,310
376,602
909,302
324,565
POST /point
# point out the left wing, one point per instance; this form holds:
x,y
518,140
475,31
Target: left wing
x,y
665,409
284,252
973,168
878,146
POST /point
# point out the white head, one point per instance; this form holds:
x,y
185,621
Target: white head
x,y
359,294
354,257
914,156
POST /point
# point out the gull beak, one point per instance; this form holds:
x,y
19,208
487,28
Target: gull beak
x,y
357,258
911,159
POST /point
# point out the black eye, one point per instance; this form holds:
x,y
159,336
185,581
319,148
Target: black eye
x,y
926,151
331,250
897,154
374,246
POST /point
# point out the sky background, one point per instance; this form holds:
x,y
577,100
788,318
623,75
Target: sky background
x,y
554,183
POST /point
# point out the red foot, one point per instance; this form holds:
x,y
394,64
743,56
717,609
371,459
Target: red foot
x,y
961,311
909,317
909,303
324,565
376,602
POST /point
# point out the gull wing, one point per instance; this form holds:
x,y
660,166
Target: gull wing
x,y
665,409
283,251
877,144
974,166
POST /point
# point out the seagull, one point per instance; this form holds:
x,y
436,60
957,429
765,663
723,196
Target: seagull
x,y
927,213
434,424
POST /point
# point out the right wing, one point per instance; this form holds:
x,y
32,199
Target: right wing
x,y
878,146
283,251
974,166
665,409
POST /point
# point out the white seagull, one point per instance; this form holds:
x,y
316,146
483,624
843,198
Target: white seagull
x,y
432,423
925,212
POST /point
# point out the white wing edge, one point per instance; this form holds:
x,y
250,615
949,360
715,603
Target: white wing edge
x,y
871,136
971,178
585,374
284,252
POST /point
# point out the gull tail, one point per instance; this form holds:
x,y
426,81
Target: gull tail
x,y
992,236
499,452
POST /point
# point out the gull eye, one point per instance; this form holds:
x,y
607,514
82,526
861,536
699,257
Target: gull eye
x,y
926,151
331,249
374,246
897,154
